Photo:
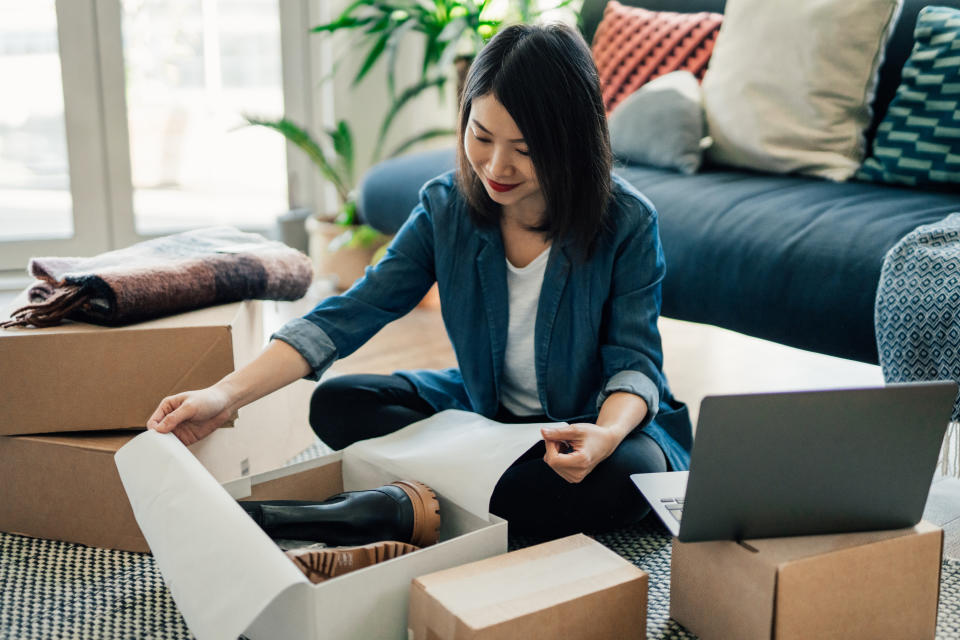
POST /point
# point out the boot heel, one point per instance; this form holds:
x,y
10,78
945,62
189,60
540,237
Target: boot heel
x,y
426,512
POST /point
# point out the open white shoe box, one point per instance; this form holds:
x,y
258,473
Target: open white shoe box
x,y
229,578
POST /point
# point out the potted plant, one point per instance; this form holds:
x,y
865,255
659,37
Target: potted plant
x,y
453,32
339,246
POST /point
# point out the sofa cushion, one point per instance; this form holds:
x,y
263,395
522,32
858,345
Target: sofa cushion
x,y
786,258
918,141
633,46
898,47
661,124
390,190
790,84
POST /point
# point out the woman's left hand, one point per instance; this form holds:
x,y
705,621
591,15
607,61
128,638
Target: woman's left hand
x,y
586,446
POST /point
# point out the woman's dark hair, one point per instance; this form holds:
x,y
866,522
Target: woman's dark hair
x,y
546,79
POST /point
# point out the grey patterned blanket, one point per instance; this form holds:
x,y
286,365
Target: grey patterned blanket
x,y
917,313
163,276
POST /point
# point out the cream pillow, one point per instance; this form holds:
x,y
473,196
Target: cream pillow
x,y
790,83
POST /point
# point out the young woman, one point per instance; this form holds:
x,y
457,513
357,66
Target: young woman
x,y
549,272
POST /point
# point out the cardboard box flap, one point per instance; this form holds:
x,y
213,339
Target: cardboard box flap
x,y
55,377
461,455
779,551
203,542
105,441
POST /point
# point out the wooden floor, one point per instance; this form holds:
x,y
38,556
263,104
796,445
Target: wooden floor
x,y
699,360
416,341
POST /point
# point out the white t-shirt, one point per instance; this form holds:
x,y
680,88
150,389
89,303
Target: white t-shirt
x,y
518,389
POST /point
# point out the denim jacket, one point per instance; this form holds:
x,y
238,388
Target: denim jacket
x,y
596,327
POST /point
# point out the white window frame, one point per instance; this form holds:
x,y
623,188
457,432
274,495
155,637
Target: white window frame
x,y
84,123
98,144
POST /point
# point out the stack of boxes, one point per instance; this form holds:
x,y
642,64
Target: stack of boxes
x,y
72,395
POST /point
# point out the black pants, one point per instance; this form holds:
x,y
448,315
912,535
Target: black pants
x,y
530,495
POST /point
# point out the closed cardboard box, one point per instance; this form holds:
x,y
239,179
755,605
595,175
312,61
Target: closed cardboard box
x,y
80,377
572,588
66,486
882,584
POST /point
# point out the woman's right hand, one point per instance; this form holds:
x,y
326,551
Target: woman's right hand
x,y
192,415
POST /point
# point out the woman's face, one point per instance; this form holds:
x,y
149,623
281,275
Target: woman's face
x,y
501,159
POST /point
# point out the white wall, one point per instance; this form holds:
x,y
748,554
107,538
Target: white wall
x,y
365,104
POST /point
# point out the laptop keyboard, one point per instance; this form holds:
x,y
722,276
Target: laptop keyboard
x,y
674,506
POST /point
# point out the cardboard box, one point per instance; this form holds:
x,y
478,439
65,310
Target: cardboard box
x,y
572,588
882,584
228,578
81,377
66,487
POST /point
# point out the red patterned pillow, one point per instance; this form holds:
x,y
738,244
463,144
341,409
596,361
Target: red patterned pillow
x,y
633,46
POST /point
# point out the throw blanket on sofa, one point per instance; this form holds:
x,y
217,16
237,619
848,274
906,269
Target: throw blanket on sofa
x,y
163,276
917,314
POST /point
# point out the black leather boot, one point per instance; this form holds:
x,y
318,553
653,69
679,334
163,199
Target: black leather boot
x,y
405,511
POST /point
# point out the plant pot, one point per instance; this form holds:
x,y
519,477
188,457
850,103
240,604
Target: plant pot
x,y
346,264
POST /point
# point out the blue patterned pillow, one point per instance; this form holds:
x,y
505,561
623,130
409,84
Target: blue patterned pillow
x,y
918,142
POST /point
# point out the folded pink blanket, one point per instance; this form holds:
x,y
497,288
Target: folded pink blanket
x,y
163,276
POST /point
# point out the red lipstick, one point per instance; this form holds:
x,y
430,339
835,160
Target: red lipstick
x,y
496,186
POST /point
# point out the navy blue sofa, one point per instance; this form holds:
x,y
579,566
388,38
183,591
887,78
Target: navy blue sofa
x,y
785,258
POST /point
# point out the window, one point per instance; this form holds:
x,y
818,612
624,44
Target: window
x,y
193,67
35,198
127,119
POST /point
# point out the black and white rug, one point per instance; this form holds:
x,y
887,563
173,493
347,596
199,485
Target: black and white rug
x,y
54,589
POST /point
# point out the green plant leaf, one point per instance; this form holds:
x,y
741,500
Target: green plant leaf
x,y
343,146
395,107
453,30
450,50
348,214
430,55
372,56
301,139
420,137
345,20
391,50
356,237
426,6
381,24
365,237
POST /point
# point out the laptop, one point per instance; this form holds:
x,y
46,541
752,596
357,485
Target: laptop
x,y
805,463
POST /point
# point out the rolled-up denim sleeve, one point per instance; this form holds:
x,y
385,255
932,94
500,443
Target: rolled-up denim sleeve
x,y
636,383
631,351
311,342
340,324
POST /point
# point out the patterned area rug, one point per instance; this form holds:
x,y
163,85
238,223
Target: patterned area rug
x,y
62,590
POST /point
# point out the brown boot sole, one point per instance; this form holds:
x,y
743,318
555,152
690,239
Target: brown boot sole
x,y
322,564
426,512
